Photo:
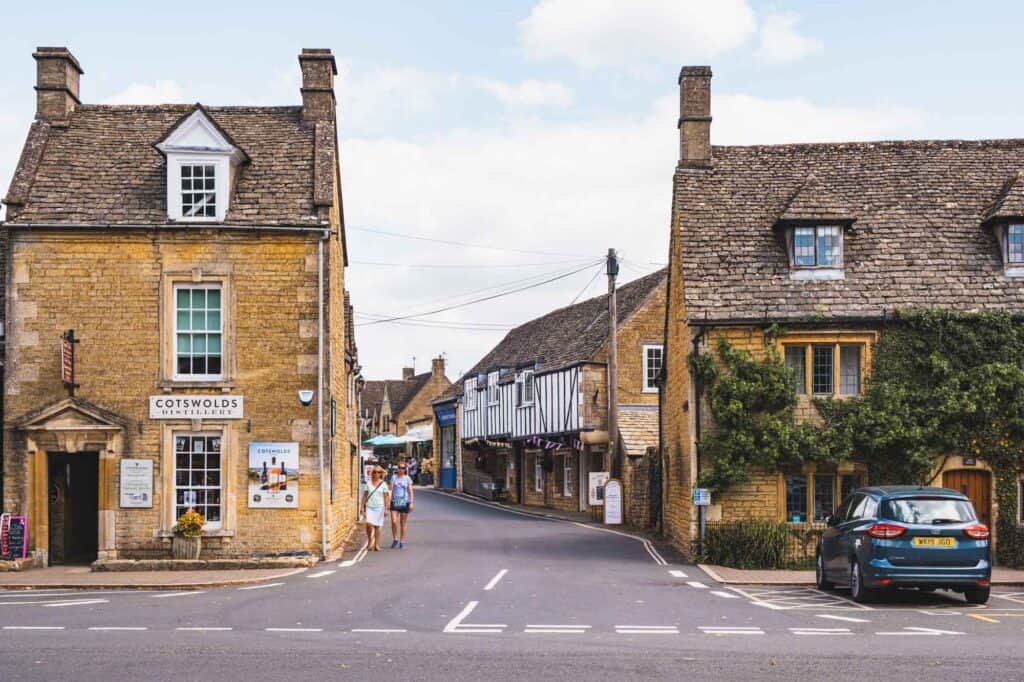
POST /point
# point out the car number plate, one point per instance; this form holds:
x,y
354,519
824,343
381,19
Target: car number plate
x,y
934,542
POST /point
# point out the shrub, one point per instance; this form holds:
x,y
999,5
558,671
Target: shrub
x,y
190,524
749,543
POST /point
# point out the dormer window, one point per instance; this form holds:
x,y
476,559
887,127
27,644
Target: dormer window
x,y
198,191
1015,244
812,226
817,247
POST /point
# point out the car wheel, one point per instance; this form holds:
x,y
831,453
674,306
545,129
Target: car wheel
x,y
858,591
977,595
819,572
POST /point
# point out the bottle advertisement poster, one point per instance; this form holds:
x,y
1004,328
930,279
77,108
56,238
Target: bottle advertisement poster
x,y
274,475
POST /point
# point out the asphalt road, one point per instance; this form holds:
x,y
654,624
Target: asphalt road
x,y
486,594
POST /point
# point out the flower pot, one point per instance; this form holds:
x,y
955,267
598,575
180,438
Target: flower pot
x,y
186,548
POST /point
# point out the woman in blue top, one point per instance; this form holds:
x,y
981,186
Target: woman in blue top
x,y
401,505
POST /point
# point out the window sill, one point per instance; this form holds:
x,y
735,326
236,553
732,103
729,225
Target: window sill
x,y
524,405
1016,270
649,390
817,274
169,385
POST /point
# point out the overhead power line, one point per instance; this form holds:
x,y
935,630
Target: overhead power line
x,y
465,244
480,300
584,289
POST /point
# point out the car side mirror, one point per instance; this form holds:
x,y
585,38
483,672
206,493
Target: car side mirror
x,y
832,520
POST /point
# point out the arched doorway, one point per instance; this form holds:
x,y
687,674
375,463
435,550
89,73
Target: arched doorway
x,y
977,485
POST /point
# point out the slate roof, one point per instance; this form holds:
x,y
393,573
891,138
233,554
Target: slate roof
x,y
565,336
814,201
638,428
918,240
102,166
400,393
1010,201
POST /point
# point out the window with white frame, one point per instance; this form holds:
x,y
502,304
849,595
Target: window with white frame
x,y
654,356
819,246
538,473
492,388
198,332
567,475
524,388
198,191
471,394
197,475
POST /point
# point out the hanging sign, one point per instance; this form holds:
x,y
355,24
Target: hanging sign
x,y
136,483
196,406
274,475
595,489
613,502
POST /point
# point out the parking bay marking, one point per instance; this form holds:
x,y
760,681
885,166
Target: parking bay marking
x,y
699,585
456,624
495,580
677,574
798,598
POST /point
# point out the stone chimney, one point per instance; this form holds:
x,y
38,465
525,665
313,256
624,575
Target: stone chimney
x,y
57,73
318,72
695,116
437,366
408,373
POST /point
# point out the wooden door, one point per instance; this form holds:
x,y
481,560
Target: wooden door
x,y
977,485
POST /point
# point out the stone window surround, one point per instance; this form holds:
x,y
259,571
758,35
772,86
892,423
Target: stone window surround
x,y
228,465
647,388
212,274
837,339
815,272
809,472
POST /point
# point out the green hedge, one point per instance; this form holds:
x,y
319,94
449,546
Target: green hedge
x,y
751,543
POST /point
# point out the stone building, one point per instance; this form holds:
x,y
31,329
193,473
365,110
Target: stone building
x,y
198,254
395,405
810,248
532,415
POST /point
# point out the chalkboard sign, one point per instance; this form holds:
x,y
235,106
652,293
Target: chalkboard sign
x,y
14,537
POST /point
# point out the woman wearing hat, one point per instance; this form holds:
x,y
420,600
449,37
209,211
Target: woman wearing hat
x,y
376,500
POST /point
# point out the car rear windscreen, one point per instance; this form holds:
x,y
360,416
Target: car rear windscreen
x,y
928,510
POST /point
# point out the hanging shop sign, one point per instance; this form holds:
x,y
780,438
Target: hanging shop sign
x,y
613,502
196,406
595,491
136,483
274,475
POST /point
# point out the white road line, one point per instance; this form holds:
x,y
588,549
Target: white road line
x,y
203,629
294,629
19,603
727,630
553,631
177,594
724,595
928,632
585,627
117,627
647,632
847,619
677,574
456,624
33,627
457,620
820,631
260,587
360,555
495,580
383,630
696,583
321,574
82,602
646,627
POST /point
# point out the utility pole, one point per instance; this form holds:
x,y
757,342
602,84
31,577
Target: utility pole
x,y
611,464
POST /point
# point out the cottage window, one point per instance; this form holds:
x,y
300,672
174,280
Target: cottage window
x,y
824,496
817,495
538,473
1015,244
198,332
524,388
795,363
822,370
567,475
471,394
826,369
199,191
817,247
848,483
849,370
796,498
492,388
197,475
654,356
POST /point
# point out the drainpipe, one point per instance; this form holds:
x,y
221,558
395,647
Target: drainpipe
x,y
320,389
696,434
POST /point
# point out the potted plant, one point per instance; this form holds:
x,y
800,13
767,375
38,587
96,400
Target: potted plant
x,y
188,538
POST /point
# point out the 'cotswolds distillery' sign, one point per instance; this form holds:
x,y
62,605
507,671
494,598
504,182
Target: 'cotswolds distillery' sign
x,y
195,406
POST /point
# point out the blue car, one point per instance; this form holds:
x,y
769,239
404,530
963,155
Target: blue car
x,y
905,536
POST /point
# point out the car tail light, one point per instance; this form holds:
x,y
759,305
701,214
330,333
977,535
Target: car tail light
x,y
886,531
977,532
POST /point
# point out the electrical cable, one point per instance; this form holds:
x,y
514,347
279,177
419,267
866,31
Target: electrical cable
x,y
584,290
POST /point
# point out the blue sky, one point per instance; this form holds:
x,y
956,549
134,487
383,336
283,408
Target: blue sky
x,y
541,125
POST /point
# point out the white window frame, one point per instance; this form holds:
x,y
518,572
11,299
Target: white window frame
x,y
524,377
176,375
647,347
538,472
470,388
493,396
221,181
209,525
567,471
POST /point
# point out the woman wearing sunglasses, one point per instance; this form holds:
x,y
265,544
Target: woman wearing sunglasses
x,y
401,505
375,502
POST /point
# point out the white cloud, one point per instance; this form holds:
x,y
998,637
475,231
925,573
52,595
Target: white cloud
x,y
780,42
612,32
528,94
159,92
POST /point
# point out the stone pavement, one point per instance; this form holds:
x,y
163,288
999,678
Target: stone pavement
x,y
740,576
81,577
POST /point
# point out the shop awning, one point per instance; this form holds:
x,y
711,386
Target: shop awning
x,y
385,440
419,434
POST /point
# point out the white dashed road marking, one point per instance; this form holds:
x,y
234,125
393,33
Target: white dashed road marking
x,y
203,629
33,627
82,602
321,574
848,619
456,624
646,630
381,630
699,585
730,630
928,632
556,629
178,594
260,587
117,627
820,631
495,580
677,574
294,629
726,595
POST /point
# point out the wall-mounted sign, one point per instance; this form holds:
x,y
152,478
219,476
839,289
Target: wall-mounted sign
x,y
595,489
196,406
274,475
613,502
970,461
702,497
136,483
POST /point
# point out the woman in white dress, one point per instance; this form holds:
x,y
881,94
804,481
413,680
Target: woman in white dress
x,y
376,500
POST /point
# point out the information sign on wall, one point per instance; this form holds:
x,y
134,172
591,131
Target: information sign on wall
x,y
136,483
274,475
595,489
613,502
196,406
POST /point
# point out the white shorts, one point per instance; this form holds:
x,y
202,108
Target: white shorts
x,y
375,517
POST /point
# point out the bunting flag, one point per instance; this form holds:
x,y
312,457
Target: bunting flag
x,y
545,444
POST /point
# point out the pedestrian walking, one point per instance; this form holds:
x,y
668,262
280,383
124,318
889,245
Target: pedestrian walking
x,y
414,470
376,499
401,505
